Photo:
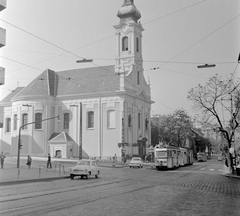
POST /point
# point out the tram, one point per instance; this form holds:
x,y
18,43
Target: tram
x,y
166,157
171,157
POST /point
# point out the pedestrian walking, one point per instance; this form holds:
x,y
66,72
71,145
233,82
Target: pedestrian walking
x,y
49,163
146,158
29,161
114,160
2,156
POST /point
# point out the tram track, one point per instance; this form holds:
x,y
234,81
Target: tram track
x,y
76,200
73,188
88,193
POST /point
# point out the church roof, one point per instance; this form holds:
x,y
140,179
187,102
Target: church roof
x,y
95,80
11,95
41,86
88,81
60,137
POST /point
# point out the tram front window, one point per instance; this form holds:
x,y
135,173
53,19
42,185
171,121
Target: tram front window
x,y
161,154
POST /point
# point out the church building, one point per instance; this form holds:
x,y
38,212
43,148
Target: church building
x,y
81,113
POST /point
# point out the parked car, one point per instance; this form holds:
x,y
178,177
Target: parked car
x,y
85,168
220,158
136,162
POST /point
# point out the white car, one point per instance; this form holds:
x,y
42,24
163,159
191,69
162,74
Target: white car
x,y
85,168
136,162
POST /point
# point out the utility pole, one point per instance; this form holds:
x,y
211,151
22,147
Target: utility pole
x,y
80,132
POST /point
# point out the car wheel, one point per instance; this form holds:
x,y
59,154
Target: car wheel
x,y
81,177
72,176
130,167
139,167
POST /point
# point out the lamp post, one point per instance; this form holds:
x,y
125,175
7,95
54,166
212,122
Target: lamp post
x,y
19,136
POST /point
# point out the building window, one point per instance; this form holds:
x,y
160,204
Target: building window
x,y
8,125
66,121
125,43
138,78
111,119
146,124
38,120
129,120
139,120
90,119
137,44
24,121
15,122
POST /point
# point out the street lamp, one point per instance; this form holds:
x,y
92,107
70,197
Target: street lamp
x,y
206,66
19,136
84,60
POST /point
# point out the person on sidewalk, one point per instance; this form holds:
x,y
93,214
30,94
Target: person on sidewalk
x,y
49,164
114,160
2,156
29,161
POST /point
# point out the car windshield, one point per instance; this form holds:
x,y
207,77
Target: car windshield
x,y
83,163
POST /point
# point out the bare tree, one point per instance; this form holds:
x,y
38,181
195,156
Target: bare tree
x,y
217,100
174,129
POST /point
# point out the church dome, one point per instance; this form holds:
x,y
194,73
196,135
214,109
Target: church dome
x,y
128,9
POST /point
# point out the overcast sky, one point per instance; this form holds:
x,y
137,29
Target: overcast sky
x,y
178,36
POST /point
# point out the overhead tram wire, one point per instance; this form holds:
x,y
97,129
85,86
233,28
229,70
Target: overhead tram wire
x,y
201,40
174,12
42,39
112,35
71,80
105,69
96,41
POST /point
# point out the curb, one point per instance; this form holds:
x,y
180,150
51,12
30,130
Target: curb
x,y
231,176
32,180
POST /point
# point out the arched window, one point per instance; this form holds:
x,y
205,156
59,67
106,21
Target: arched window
x,y
38,120
125,43
15,122
8,125
137,44
66,121
111,119
90,119
24,120
129,120
146,124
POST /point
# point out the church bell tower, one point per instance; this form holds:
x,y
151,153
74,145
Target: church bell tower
x,y
129,40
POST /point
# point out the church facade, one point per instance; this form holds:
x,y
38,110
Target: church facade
x,y
98,111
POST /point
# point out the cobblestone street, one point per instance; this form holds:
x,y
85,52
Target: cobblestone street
x,y
199,190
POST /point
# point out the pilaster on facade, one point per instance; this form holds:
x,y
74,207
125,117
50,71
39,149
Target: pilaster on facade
x,y
3,4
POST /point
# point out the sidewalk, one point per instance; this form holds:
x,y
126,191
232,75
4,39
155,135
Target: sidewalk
x,y
38,172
